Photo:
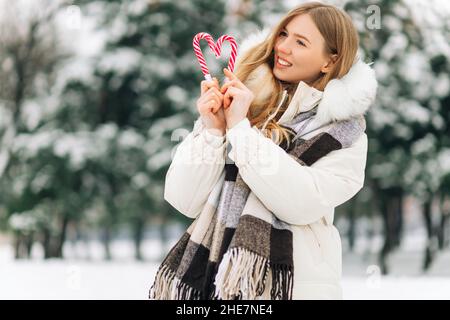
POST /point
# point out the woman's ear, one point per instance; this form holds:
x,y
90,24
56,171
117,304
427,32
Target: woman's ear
x,y
329,64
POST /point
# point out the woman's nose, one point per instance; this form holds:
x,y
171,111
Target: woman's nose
x,y
284,47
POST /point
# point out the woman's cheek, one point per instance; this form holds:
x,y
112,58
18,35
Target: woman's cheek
x,y
310,63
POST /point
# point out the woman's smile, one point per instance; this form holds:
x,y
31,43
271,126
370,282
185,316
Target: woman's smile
x,y
281,63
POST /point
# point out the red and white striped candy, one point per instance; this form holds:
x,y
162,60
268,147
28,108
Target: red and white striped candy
x,y
216,48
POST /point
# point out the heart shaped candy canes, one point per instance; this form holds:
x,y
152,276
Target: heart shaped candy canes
x,y
216,48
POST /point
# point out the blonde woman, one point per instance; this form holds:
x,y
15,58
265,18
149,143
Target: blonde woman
x,y
272,154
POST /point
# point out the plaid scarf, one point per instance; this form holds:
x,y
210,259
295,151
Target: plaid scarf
x,y
236,248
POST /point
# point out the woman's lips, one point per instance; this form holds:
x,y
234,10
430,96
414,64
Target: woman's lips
x,y
278,65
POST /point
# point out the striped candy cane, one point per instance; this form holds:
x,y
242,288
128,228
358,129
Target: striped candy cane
x,y
199,54
216,49
232,42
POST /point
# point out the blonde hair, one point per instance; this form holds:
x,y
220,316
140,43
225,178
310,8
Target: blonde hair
x,y
341,38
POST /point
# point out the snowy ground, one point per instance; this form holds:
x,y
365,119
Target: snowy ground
x,y
101,280
78,278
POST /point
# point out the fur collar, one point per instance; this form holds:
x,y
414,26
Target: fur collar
x,y
349,96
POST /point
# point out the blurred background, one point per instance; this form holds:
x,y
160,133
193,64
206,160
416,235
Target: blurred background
x,y
95,96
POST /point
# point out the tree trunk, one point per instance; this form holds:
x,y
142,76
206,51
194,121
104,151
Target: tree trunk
x,y
391,210
18,244
46,243
444,214
429,249
61,238
138,233
398,209
351,225
387,238
50,246
29,240
106,239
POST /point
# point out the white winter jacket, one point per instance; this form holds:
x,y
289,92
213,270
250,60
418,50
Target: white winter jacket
x,y
303,196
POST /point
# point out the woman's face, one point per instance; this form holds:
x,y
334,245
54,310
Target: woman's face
x,y
306,52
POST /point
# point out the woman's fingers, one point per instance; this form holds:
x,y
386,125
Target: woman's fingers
x,y
213,102
211,105
230,75
229,95
216,107
234,83
213,95
205,85
212,92
216,92
211,98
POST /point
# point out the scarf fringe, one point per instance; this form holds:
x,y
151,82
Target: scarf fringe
x,y
169,287
242,274
282,282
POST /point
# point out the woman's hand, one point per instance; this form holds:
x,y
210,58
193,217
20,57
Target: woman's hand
x,y
236,100
210,107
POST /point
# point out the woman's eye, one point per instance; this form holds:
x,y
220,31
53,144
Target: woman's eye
x,y
299,41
